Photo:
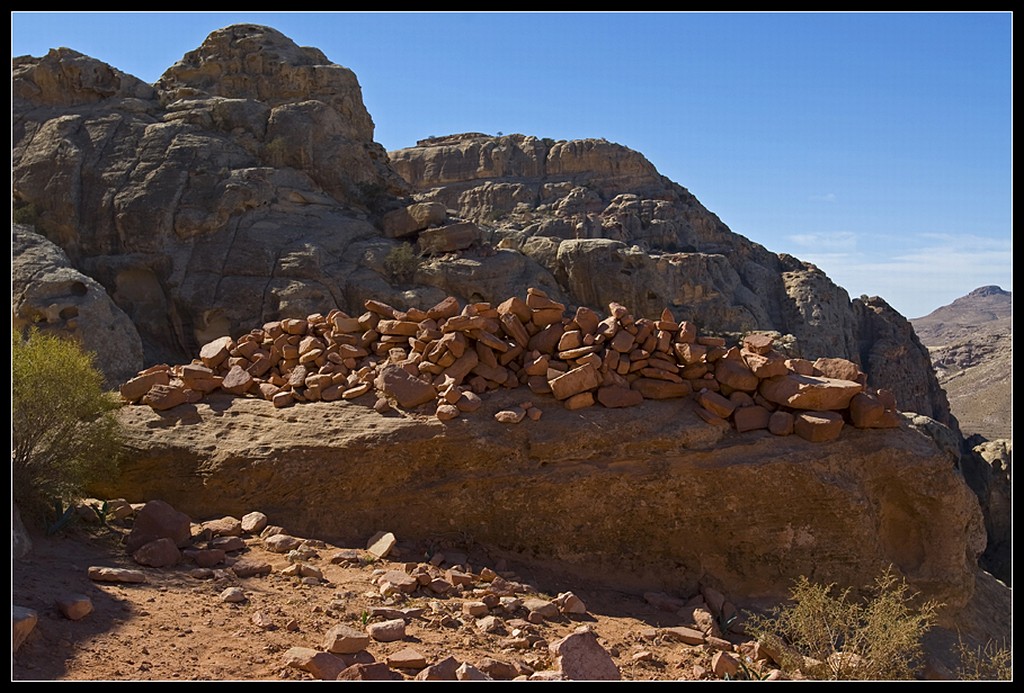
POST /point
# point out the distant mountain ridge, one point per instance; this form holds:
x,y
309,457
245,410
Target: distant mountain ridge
x,y
970,342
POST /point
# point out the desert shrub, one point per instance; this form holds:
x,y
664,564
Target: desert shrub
x,y
25,213
401,263
989,663
63,432
825,633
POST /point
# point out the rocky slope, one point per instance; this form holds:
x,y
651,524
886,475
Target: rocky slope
x,y
245,186
970,342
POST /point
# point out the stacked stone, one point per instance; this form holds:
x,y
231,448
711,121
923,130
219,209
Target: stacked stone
x,y
755,387
450,355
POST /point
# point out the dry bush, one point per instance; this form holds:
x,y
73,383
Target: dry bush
x,y
824,633
401,263
989,663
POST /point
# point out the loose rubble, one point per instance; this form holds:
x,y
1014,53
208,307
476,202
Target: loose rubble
x,y
448,356
531,636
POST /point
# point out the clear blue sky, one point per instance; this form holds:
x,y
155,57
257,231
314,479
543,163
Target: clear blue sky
x,y
878,146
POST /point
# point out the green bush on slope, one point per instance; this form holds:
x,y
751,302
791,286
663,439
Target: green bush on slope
x,y
63,432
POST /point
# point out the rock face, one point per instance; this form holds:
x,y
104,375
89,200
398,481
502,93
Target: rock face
x,y
232,190
49,294
608,226
244,186
744,513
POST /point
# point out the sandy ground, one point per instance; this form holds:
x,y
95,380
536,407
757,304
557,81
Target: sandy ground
x,y
175,626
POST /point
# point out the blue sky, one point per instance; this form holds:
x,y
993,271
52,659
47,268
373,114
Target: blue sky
x,y
877,146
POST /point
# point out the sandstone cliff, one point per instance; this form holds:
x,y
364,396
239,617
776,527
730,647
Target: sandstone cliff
x,y
245,186
609,227
235,188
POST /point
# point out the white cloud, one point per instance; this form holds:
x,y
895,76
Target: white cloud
x,y
925,272
833,241
827,197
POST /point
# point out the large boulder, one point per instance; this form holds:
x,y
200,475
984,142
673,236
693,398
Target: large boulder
x,y
745,513
49,294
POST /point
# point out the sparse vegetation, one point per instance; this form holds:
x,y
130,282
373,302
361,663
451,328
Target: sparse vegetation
x,y
276,151
401,263
374,195
25,213
989,663
824,633
63,433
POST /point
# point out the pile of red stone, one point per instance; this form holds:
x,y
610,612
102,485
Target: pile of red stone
x,y
449,356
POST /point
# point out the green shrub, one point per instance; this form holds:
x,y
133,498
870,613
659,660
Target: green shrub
x,y
63,432
824,633
401,263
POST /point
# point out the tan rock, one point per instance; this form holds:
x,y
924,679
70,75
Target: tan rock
x,y
818,426
781,423
688,636
75,606
616,396
134,389
765,365
163,397
510,416
716,404
581,400
574,382
408,390
447,239
381,543
758,342
24,621
840,369
400,223
736,375
651,388
343,639
580,657
407,658
750,418
237,381
813,393
387,631
724,664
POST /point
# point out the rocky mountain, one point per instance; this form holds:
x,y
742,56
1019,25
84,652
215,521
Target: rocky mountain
x,y
245,186
970,342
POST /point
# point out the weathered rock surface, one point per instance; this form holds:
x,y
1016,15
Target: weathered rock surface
x,y
234,189
836,510
245,186
608,226
49,294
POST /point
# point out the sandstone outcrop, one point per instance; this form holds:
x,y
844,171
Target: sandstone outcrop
x,y
608,227
647,497
47,293
450,354
236,188
244,187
